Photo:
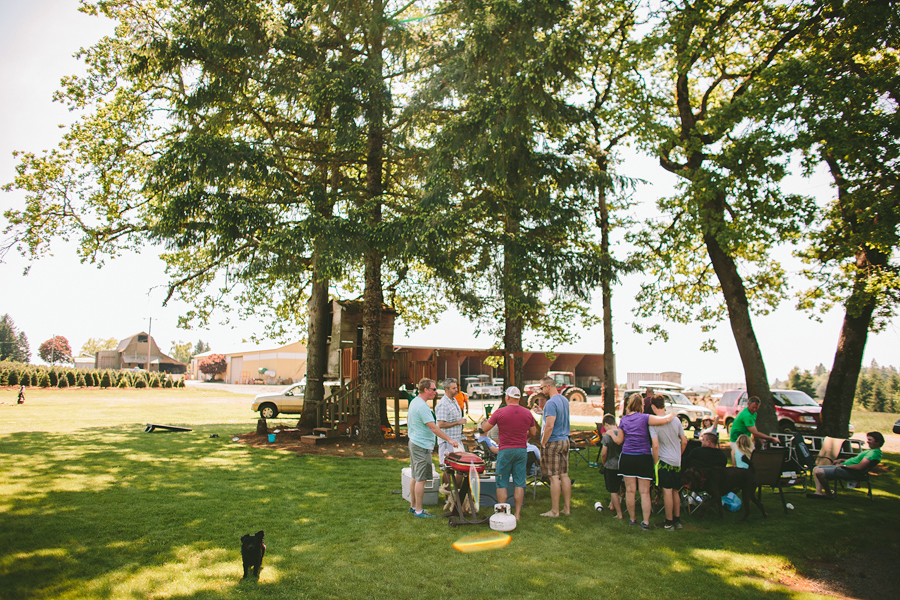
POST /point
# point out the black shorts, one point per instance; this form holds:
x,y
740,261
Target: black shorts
x,y
637,465
613,480
669,476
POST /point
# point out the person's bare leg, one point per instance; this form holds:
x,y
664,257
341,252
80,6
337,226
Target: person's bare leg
x,y
630,487
501,495
417,495
646,507
617,505
519,495
566,484
669,500
676,504
554,497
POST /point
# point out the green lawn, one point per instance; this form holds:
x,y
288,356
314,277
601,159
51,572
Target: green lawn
x,y
93,507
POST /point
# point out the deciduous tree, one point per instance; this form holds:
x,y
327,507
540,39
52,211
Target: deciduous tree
x,y
841,94
94,345
710,256
56,350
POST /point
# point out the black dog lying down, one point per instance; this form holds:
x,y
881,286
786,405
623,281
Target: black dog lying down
x,y
718,481
252,551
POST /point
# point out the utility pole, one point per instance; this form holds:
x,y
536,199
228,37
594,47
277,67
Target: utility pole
x,y
149,327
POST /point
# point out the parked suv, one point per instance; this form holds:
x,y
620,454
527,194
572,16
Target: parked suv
x,y
795,410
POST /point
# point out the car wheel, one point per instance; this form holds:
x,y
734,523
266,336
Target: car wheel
x,y
685,422
728,423
786,427
576,395
268,411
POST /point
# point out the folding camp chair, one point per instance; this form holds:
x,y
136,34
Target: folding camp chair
x,y
579,450
835,448
534,477
767,465
484,452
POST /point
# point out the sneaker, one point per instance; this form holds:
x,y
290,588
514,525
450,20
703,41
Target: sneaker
x,y
678,525
412,510
669,526
632,522
645,526
423,515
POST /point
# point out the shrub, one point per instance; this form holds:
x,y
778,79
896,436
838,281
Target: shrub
x,y
167,382
4,378
124,380
44,379
104,380
70,375
80,381
53,377
154,381
139,382
63,381
13,377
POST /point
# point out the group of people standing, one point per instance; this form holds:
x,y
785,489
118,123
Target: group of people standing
x,y
515,424
646,437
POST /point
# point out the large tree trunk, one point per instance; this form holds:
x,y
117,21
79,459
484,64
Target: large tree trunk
x,y
316,347
512,317
606,275
512,343
373,296
739,317
370,361
841,389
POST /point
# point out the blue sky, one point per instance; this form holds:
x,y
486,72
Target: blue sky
x,y
61,296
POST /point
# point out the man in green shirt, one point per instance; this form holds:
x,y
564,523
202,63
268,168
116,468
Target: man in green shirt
x,y
852,469
745,424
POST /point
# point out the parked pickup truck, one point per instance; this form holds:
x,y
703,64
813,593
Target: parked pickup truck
x,y
481,386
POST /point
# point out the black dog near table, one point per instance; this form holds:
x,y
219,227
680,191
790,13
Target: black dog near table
x,y
718,481
252,551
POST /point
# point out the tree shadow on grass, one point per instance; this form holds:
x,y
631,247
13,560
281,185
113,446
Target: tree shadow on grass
x,y
114,512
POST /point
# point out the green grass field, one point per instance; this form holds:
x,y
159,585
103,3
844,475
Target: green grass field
x,y
93,507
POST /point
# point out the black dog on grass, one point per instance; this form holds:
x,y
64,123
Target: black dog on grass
x,y
718,481
252,551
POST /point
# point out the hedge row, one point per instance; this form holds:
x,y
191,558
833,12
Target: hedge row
x,y
16,374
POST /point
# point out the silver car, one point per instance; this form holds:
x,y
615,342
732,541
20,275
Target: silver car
x,y
688,413
288,401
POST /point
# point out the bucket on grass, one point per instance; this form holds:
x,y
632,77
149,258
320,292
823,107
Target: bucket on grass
x,y
271,437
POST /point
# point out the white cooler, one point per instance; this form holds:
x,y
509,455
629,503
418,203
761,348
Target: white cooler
x,y
431,487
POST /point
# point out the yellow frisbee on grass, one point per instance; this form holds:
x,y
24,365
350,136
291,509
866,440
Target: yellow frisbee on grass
x,y
479,542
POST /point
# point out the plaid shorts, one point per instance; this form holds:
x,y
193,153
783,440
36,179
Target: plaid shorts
x,y
555,458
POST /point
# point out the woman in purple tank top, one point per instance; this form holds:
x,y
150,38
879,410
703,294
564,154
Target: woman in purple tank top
x,y
636,462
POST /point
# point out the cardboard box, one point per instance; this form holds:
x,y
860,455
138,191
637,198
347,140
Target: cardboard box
x,y
431,487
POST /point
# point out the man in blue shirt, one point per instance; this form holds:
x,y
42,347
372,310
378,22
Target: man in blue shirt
x,y
555,445
423,433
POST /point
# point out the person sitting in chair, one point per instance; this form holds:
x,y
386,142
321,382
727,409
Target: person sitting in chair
x,y
851,469
494,448
708,455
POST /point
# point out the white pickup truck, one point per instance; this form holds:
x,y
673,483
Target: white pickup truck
x,y
481,386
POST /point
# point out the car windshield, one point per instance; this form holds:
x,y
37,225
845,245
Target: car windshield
x,y
294,390
794,398
677,398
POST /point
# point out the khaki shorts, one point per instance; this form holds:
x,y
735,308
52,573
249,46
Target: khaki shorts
x,y
555,458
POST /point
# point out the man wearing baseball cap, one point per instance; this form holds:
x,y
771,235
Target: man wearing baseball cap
x,y
516,424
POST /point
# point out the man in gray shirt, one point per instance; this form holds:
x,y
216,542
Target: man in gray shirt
x,y
668,442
